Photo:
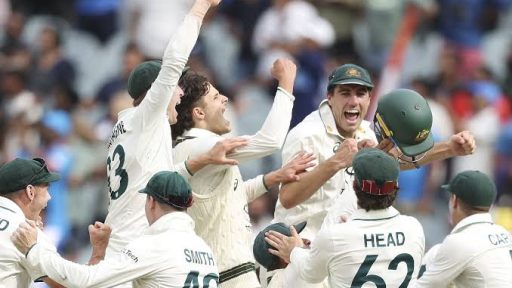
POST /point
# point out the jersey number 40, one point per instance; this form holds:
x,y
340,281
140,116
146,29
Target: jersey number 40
x,y
192,280
362,275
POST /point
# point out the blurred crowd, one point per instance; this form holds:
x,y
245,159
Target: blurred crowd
x,y
64,66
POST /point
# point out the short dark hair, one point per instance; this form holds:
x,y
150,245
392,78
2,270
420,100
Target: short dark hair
x,y
469,209
194,87
374,202
136,101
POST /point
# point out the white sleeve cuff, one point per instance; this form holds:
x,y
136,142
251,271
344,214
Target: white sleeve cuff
x,y
281,90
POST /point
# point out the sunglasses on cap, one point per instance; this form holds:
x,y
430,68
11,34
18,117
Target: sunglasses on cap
x,y
371,187
382,132
43,168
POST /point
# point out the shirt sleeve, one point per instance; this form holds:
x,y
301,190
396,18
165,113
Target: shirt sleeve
x,y
272,134
254,188
312,264
116,270
446,264
182,169
35,271
155,104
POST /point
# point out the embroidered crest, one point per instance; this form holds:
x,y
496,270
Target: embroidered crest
x,y
353,72
422,135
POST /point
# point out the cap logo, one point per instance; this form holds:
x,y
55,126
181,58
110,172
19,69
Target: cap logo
x,y
422,135
353,72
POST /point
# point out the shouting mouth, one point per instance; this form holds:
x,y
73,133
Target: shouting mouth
x,y
352,116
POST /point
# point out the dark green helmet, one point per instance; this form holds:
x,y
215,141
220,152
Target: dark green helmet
x,y
143,76
404,116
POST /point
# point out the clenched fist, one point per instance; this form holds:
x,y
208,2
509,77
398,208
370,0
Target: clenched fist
x,y
284,71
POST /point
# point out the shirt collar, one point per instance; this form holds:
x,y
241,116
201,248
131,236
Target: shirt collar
x,y
9,205
473,219
199,132
372,215
180,221
324,109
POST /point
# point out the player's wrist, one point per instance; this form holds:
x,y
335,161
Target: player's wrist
x,y
30,249
200,8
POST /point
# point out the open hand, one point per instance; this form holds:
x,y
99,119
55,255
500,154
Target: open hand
x,y
291,171
217,155
283,245
25,236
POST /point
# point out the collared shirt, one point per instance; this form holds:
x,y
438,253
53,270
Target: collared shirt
x,y
141,143
221,196
169,254
477,253
378,246
15,270
318,134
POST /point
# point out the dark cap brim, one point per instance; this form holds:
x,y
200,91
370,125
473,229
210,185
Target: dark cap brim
x,y
417,149
446,187
50,177
352,81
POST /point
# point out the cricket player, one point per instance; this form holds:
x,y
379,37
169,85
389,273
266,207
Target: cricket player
x,y
279,274
478,252
168,254
141,142
23,195
376,246
220,208
335,132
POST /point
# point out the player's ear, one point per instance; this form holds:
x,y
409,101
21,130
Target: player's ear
x,y
29,192
198,113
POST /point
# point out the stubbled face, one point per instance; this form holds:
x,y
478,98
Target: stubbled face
x,y
349,104
175,100
214,105
40,200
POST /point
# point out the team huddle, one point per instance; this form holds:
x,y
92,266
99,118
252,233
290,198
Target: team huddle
x,y
177,215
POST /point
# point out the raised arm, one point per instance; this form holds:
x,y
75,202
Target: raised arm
x,y
272,134
174,59
294,193
460,144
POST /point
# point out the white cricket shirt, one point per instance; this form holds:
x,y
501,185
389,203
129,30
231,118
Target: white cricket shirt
x,y
318,134
221,196
169,254
15,270
477,253
380,248
141,143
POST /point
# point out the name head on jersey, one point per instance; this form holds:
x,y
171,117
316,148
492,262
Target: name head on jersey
x,y
350,74
473,187
169,188
19,173
143,76
260,247
375,172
